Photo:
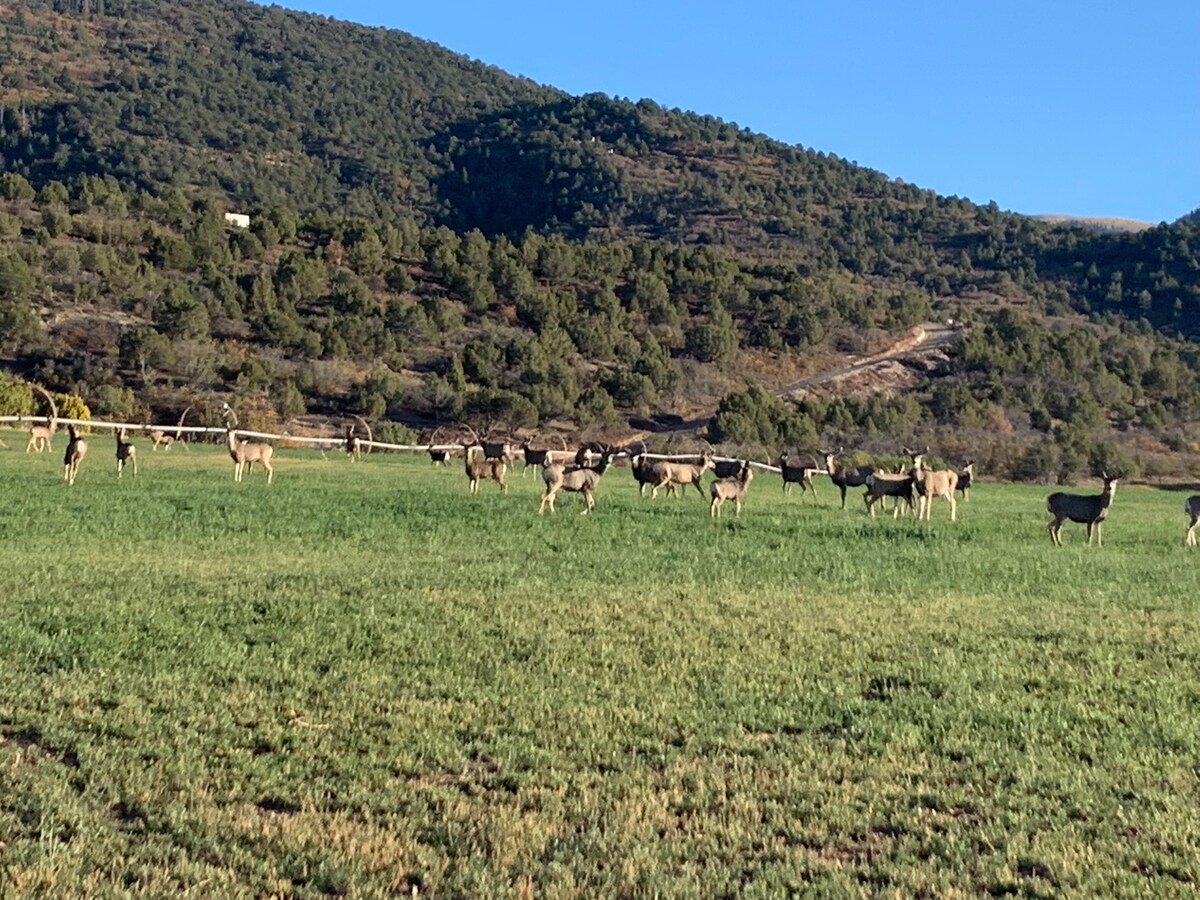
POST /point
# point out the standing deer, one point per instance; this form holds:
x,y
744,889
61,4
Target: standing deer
x,y
76,450
245,453
545,457
439,456
126,453
164,437
845,476
478,470
965,479
929,484
670,474
643,473
40,435
575,480
801,475
1191,506
730,489
1089,509
353,444
882,484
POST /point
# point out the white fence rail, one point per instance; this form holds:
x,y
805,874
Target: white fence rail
x,y
323,442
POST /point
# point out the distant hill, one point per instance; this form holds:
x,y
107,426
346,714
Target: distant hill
x,y
1097,223
432,236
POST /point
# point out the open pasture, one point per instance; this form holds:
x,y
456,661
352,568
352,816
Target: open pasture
x,y
362,680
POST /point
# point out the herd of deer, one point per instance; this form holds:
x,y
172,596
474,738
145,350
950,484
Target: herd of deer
x,y
913,488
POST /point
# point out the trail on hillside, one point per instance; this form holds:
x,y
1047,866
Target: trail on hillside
x,y
871,374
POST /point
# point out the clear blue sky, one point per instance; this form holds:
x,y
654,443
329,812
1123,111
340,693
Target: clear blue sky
x,y
1056,106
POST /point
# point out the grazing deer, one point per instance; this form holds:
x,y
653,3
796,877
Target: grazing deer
x,y
1191,506
1089,509
164,437
245,453
882,484
126,453
845,476
929,483
477,470
40,436
730,489
965,478
801,475
575,480
670,474
76,450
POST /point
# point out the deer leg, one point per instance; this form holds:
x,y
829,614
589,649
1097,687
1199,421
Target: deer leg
x,y
842,488
953,508
714,508
737,507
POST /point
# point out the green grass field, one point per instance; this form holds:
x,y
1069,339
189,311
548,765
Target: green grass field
x,y
362,680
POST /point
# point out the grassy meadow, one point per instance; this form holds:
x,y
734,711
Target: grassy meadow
x,y
362,680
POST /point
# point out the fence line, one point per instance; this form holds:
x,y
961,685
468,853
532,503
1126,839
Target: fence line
x,y
320,441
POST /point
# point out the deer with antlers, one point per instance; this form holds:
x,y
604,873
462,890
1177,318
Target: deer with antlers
x,y
573,479
245,453
166,438
40,436
126,453
723,490
76,450
1088,509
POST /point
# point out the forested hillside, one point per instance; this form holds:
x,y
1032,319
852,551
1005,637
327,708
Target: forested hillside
x,y
432,238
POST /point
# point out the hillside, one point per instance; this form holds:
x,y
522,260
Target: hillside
x,y
433,238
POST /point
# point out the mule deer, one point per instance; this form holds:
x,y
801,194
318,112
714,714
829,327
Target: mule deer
x,y
1191,506
845,476
575,480
1089,509
931,483
246,453
882,484
439,456
478,470
730,489
965,478
353,444
801,475
545,457
76,450
40,436
164,437
126,453
672,474
643,473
